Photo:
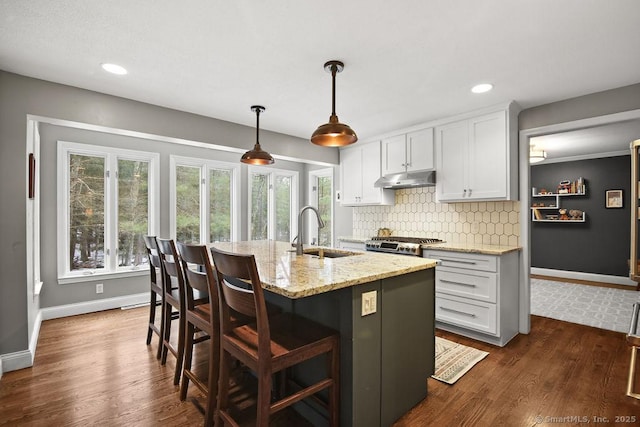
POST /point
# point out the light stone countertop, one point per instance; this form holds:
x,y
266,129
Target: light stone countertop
x,y
476,248
297,276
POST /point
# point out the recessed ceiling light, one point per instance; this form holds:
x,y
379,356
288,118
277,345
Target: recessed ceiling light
x,y
114,69
482,88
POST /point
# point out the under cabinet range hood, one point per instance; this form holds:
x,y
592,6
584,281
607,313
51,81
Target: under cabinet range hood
x,y
407,180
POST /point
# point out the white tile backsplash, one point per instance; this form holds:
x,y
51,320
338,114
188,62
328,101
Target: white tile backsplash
x,y
416,213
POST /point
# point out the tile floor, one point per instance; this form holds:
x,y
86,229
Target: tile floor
x,y
605,308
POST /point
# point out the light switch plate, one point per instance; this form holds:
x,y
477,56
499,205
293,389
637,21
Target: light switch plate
x,y
369,302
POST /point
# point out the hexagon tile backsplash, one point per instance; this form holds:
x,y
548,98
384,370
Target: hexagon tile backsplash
x,y
416,213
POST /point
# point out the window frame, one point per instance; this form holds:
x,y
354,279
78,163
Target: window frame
x,y
271,209
111,156
205,166
312,181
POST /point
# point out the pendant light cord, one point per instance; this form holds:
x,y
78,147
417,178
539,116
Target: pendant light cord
x,y
257,126
334,69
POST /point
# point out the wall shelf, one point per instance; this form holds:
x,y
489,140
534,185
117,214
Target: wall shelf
x,y
550,212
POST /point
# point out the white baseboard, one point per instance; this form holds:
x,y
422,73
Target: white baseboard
x,y
578,275
24,359
93,306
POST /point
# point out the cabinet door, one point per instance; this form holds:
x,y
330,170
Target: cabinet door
x,y
394,157
420,150
351,175
451,160
488,161
370,172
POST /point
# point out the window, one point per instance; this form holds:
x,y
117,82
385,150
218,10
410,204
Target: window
x,y
107,200
273,204
321,196
205,197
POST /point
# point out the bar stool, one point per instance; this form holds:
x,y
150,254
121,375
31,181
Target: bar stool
x,y
155,270
633,339
174,299
268,345
201,314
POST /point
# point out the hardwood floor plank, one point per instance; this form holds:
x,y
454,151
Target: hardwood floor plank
x,y
95,369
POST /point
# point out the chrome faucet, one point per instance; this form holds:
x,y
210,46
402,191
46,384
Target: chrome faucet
x,y
300,236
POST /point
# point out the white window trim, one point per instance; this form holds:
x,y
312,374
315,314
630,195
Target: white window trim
x,y
272,172
205,166
111,155
313,200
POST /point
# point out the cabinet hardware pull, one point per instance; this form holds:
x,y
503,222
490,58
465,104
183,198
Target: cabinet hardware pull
x,y
457,311
458,261
471,285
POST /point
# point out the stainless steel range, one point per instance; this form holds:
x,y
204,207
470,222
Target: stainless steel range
x,y
399,245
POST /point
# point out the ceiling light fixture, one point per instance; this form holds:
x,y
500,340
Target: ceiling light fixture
x,y
334,133
257,156
535,155
114,69
482,88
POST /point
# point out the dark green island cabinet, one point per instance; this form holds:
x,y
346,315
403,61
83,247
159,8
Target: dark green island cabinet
x,y
386,357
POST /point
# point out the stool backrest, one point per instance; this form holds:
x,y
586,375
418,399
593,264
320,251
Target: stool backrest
x,y
172,269
240,289
199,276
154,256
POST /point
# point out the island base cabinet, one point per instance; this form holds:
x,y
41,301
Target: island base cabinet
x,y
386,357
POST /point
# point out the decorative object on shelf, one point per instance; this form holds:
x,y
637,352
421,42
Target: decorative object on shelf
x,y
563,215
614,199
334,133
564,187
257,156
575,214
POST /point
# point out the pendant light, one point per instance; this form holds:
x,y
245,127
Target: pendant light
x,y
536,155
257,156
334,133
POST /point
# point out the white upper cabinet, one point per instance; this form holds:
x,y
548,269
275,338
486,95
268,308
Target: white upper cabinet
x,y
408,152
476,158
359,170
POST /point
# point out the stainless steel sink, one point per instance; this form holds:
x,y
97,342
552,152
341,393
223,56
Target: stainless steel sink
x,y
329,253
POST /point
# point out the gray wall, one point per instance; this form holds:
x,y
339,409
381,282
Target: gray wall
x,y
600,245
20,96
54,294
593,105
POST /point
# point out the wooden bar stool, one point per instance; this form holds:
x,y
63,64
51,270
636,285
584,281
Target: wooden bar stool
x,y
201,314
157,293
268,345
173,282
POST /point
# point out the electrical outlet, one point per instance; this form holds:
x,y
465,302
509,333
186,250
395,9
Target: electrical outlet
x,y
99,288
369,302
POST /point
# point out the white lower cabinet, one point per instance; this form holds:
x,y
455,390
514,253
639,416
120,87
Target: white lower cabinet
x,y
477,294
346,244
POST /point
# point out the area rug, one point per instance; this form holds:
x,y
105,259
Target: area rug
x,y
453,360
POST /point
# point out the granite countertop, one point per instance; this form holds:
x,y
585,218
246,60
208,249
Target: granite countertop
x,y
476,248
296,276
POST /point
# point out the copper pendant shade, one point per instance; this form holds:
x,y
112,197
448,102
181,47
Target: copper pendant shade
x,y
257,156
334,133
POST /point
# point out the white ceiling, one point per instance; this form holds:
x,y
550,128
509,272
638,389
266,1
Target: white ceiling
x,y
405,62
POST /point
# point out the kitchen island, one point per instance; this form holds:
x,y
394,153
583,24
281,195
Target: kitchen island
x,y
387,355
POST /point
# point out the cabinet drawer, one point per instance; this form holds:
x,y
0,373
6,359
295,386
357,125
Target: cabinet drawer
x,y
464,260
467,313
478,285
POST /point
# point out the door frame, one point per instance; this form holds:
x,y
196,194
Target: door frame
x,y
525,196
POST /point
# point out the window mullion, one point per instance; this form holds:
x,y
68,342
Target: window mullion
x,y
111,213
271,201
204,204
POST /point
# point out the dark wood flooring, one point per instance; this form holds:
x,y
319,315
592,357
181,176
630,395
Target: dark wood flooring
x,y
95,369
